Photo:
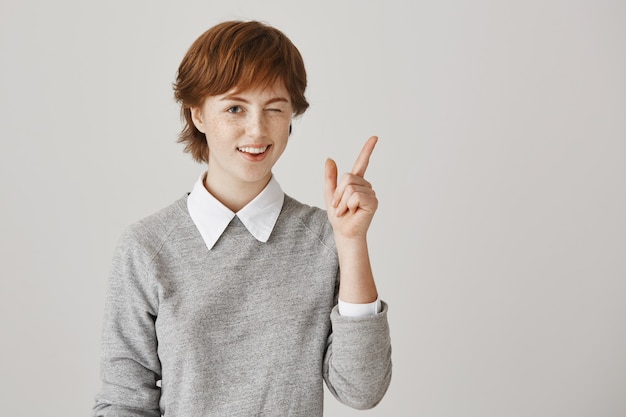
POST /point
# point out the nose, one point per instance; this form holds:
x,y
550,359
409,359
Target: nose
x,y
256,126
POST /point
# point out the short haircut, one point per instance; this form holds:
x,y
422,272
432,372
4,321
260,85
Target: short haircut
x,y
235,55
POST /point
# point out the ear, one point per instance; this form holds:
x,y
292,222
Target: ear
x,y
197,118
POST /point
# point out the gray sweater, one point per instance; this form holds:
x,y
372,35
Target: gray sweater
x,y
245,329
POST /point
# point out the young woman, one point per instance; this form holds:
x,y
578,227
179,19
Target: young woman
x,y
230,302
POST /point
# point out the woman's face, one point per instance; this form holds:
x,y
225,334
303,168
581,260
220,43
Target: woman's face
x,y
246,131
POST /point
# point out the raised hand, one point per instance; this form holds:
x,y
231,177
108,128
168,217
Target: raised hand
x,y
351,202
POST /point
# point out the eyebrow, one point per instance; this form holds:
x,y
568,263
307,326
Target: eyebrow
x,y
243,100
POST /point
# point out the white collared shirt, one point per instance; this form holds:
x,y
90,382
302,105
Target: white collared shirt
x,y
259,216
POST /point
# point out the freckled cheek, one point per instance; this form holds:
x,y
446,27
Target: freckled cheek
x,y
224,128
280,124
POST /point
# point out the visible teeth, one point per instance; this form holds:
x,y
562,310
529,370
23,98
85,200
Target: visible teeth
x,y
253,150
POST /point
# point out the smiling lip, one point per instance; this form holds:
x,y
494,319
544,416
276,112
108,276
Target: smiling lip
x,y
255,150
254,153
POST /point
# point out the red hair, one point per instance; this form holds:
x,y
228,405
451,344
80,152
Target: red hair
x,y
235,55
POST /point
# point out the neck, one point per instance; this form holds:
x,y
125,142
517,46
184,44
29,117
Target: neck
x,y
235,195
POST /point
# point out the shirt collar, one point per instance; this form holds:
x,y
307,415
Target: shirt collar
x,y
211,217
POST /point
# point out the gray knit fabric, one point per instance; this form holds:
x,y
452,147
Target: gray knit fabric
x,y
245,329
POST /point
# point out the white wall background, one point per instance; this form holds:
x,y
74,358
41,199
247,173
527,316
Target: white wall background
x,y
500,242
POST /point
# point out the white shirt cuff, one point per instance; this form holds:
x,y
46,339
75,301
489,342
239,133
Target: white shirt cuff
x,y
359,310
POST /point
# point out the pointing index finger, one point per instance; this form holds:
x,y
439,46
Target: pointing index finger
x,y
364,157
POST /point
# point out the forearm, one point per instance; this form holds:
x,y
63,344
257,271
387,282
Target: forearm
x,y
357,283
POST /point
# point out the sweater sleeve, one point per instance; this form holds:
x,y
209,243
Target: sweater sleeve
x,y
130,367
357,364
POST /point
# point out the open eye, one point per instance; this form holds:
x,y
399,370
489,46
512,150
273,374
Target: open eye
x,y
235,109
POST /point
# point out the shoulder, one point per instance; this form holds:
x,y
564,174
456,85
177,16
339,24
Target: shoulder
x,y
313,219
148,234
309,215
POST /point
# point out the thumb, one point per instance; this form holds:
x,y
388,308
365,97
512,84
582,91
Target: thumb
x,y
330,180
